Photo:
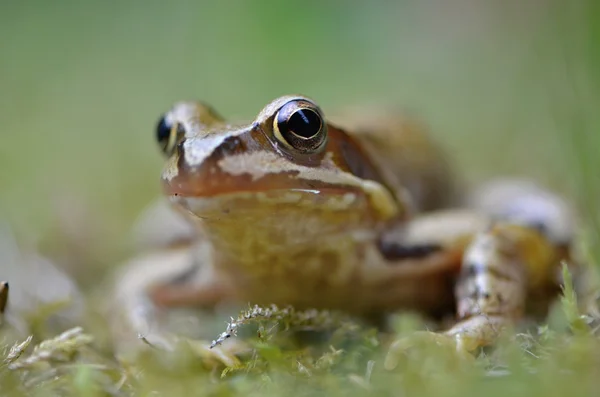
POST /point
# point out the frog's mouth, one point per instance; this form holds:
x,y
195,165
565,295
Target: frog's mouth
x,y
274,199
207,191
220,196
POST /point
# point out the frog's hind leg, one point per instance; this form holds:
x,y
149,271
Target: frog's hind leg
x,y
513,263
499,268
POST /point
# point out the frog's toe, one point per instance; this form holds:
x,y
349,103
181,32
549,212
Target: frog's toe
x,y
453,346
227,355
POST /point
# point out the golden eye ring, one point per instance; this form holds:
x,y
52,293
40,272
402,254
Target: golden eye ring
x,y
299,125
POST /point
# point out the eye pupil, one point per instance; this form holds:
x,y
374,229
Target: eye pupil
x,y
304,123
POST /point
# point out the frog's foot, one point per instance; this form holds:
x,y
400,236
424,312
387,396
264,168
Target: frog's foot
x,y
455,346
462,340
158,329
478,331
227,355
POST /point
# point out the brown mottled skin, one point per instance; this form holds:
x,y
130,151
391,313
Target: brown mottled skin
x,y
355,220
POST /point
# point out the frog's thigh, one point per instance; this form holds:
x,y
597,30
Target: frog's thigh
x,y
450,229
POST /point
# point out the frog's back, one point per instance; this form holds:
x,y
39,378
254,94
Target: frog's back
x,y
406,155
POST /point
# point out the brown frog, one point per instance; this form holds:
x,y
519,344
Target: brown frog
x,y
359,216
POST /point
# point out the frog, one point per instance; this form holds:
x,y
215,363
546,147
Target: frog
x,y
362,214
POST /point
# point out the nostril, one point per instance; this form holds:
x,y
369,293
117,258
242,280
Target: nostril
x,y
231,145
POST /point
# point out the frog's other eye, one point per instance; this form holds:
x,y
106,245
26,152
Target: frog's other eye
x,y
168,134
299,125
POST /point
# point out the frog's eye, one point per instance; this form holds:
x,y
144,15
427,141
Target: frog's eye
x,y
299,124
168,134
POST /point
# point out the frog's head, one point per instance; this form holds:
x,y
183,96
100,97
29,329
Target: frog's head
x,y
285,168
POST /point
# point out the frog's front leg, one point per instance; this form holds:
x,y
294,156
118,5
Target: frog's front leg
x,y
153,292
499,267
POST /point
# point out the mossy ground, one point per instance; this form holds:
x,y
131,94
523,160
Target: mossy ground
x,y
508,88
560,357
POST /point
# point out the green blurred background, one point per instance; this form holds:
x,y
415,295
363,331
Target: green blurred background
x,y
507,87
